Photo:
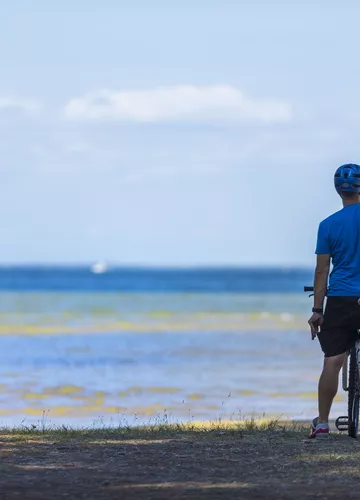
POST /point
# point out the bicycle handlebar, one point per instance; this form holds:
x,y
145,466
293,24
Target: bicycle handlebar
x,y
308,288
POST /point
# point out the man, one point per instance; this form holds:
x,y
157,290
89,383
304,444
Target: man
x,y
336,329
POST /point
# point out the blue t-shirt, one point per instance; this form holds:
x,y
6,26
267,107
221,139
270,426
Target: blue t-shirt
x,y
339,236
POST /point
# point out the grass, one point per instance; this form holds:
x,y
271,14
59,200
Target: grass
x,y
203,427
252,459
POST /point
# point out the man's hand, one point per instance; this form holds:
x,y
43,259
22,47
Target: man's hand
x,y
315,323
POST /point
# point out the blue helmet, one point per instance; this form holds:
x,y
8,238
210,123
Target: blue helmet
x,y
347,178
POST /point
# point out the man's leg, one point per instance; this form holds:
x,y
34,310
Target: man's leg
x,y
328,385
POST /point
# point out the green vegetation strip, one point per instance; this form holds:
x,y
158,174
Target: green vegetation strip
x,y
247,459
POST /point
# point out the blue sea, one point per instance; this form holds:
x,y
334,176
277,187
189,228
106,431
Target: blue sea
x,y
135,345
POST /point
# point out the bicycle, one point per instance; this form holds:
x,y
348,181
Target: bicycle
x,y
351,385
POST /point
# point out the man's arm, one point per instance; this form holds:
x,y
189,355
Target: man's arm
x,y
320,286
321,279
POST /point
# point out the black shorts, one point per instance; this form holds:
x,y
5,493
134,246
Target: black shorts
x,y
341,324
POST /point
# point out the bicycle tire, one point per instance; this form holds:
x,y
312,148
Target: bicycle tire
x,y
353,396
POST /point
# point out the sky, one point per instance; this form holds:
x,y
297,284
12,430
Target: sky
x,y
158,132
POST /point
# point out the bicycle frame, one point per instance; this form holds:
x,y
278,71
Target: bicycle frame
x,y
345,372
357,349
345,368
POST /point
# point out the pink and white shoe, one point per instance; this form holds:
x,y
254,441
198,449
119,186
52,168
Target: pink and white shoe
x,y
319,430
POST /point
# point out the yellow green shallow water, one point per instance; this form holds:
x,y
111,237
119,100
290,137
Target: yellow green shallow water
x,y
85,358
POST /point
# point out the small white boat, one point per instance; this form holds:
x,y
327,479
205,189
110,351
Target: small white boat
x,y
99,267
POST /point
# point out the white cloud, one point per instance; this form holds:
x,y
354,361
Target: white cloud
x,y
14,103
182,103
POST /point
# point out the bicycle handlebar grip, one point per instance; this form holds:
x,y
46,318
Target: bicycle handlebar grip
x,y
308,288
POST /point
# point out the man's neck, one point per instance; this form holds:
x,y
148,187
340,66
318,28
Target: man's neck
x,y
350,201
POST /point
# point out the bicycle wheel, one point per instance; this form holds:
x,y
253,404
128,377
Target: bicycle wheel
x,y
353,396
